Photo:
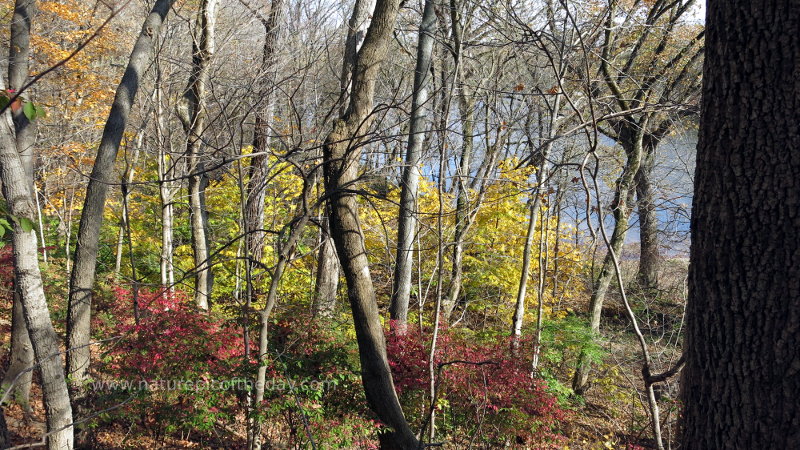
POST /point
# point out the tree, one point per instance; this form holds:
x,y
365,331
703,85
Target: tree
x,y
407,226
22,356
342,151
193,115
83,273
741,378
29,279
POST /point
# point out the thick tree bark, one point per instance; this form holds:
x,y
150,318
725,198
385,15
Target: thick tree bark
x,y
4,439
83,272
407,223
25,133
192,111
29,279
342,150
742,374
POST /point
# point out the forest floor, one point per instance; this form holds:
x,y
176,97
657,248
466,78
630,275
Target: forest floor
x,y
611,415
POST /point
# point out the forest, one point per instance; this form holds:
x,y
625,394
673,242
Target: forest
x,y
399,224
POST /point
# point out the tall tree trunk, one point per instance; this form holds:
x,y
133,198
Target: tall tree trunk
x,y
534,206
4,439
29,279
527,255
742,370
342,151
25,133
192,111
649,254
327,281
102,176
166,173
407,224
623,197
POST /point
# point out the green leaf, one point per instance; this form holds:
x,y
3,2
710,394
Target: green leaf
x,y
2,231
4,101
26,224
40,112
29,109
4,224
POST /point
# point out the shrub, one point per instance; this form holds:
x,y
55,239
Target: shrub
x,y
485,391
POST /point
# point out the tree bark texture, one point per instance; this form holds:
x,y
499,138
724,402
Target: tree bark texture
x,y
327,282
742,374
25,134
43,337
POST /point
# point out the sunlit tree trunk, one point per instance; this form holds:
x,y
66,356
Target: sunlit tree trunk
x,y
25,133
407,223
192,111
102,176
342,150
43,337
166,191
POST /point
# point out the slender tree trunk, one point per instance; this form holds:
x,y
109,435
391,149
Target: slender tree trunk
x,y
527,255
166,172
327,283
192,111
342,152
407,224
623,197
25,132
259,165
462,217
29,279
742,370
544,235
127,179
285,255
83,273
535,205
649,255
